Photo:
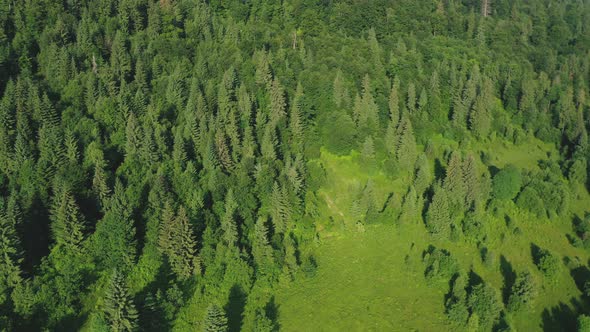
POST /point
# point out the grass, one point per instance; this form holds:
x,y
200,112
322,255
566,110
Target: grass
x,y
373,280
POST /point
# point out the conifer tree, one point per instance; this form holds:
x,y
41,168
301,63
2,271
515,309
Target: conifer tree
x,y
278,208
411,99
454,182
406,144
480,118
119,308
277,102
261,249
438,218
471,179
423,177
340,95
409,206
215,319
182,257
67,222
394,113
228,222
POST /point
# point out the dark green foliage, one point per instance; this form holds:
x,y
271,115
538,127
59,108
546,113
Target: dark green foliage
x,y
183,143
506,184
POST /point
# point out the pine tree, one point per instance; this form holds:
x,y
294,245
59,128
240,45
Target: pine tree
x,y
215,319
423,177
119,308
370,112
340,96
261,249
480,118
114,238
406,144
228,222
394,113
182,257
411,99
278,209
10,248
438,218
177,241
133,135
454,182
471,179
67,222
409,206
368,152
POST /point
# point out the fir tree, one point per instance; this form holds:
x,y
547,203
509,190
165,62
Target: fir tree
x,y
438,218
215,319
406,144
67,223
119,308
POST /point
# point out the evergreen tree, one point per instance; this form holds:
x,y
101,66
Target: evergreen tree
x,y
438,218
119,308
215,319
471,179
406,144
454,182
67,224
228,222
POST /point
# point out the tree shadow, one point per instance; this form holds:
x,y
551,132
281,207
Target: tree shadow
x,y
235,308
474,280
272,312
536,253
561,317
439,170
580,275
509,276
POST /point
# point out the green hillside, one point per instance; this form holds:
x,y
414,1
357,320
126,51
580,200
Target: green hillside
x,y
294,165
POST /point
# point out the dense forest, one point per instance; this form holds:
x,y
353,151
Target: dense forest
x,y
192,165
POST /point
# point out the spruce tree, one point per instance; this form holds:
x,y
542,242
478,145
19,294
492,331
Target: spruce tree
x,y
438,218
406,144
215,319
471,179
67,222
119,308
454,182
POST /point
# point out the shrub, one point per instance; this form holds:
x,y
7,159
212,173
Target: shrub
x,y
506,183
440,264
529,200
523,292
486,303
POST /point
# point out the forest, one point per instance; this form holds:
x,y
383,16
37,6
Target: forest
x,y
294,165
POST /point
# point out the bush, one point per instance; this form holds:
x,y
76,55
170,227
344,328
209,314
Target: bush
x,y
440,264
523,292
486,303
506,183
529,200
549,264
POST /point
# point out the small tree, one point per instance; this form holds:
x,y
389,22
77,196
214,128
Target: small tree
x,y
119,309
523,292
215,319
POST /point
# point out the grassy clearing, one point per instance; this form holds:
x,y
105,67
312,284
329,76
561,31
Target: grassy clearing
x,y
373,280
